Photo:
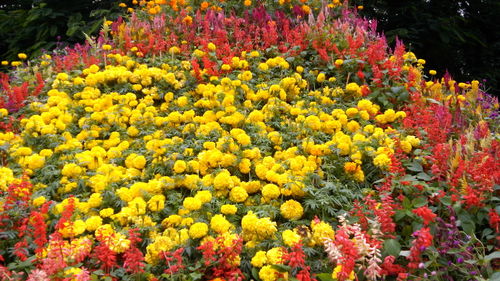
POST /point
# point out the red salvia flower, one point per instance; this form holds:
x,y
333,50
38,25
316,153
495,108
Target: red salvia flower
x,y
426,214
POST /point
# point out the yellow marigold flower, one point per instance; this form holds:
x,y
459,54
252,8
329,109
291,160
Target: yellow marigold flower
x,y
389,115
260,259
406,146
351,112
321,77
246,76
180,166
219,224
352,88
174,50
365,104
238,194
401,114
245,166
35,161
172,220
93,223
198,230
270,191
350,167
156,203
139,162
24,151
191,203
268,273
95,200
382,161
290,237
211,46
106,212
321,230
39,201
313,122
16,63
228,209
71,170
132,131
274,255
223,180
106,47
432,72
204,196
62,76
414,141
264,66
247,3
339,62
22,56
291,210
4,63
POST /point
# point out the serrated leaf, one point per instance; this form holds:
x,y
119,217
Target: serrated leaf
x,y
392,247
415,167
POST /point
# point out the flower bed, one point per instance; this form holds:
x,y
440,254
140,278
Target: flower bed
x,y
270,143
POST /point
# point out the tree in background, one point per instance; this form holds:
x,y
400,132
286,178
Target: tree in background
x,y
36,25
461,37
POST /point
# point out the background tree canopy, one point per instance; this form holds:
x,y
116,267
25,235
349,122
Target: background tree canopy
x,y
32,26
460,36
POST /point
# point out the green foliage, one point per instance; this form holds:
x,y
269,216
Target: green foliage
x,y
33,26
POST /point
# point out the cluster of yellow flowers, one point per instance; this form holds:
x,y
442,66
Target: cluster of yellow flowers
x,y
145,146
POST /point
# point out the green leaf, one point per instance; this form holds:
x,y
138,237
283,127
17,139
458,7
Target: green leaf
x,y
400,214
419,202
325,277
281,267
196,276
415,167
392,247
446,200
423,176
406,203
466,221
492,256
495,276
255,273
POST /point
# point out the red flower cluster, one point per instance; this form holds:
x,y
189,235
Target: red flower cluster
x,y
296,260
422,241
426,214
